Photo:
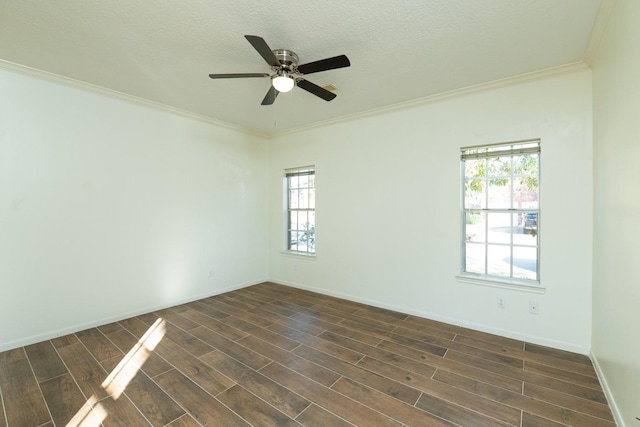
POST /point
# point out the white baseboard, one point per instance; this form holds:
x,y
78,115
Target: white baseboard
x,y
445,319
617,416
121,316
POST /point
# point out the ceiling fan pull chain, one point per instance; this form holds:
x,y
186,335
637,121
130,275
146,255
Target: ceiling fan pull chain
x,y
275,116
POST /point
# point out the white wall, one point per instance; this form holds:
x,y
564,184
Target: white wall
x,y
388,200
616,297
109,208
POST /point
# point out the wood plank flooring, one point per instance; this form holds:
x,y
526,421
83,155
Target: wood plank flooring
x,y
271,355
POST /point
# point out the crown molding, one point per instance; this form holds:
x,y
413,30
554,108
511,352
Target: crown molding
x,y
522,78
99,90
509,81
599,29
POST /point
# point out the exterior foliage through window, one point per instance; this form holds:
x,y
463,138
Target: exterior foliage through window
x,y
501,211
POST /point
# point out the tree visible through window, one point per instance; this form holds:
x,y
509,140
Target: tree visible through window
x,y
301,210
501,212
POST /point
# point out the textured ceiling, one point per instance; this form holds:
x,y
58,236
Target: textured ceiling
x,y
400,50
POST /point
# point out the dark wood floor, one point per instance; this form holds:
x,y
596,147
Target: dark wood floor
x,y
270,355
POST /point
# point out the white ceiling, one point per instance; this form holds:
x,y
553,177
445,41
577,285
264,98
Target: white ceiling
x,y
400,50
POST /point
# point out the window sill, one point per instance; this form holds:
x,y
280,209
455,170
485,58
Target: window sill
x,y
512,284
301,255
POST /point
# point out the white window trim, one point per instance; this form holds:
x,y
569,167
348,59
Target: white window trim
x,y
299,255
526,285
285,223
496,282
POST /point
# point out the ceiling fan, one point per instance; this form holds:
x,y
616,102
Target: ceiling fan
x,y
287,72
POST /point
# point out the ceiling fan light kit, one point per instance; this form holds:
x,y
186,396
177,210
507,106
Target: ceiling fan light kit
x,y
287,72
282,83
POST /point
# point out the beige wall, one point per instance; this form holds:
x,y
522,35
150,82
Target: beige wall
x,y
388,208
616,296
109,208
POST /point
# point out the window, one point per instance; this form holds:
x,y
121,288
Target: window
x,y
301,210
500,211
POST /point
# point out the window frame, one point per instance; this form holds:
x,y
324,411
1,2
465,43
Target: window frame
x,y
288,209
488,151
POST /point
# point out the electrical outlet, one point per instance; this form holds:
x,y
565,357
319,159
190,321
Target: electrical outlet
x,y
502,303
534,308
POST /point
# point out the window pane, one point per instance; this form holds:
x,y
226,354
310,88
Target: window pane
x,y
499,226
303,201
475,258
303,181
499,258
294,238
293,181
526,229
531,224
474,194
525,165
302,220
525,263
499,193
293,199
308,235
475,168
312,198
293,220
525,193
475,227
499,166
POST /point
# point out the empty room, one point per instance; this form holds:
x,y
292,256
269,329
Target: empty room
x,y
411,213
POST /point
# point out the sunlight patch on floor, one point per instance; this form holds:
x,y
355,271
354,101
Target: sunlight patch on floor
x,y
92,413
119,378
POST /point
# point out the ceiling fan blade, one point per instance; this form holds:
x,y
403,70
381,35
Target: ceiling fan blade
x,y
237,75
339,61
270,97
263,49
316,90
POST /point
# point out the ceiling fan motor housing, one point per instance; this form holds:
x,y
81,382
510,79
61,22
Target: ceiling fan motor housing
x,y
288,59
